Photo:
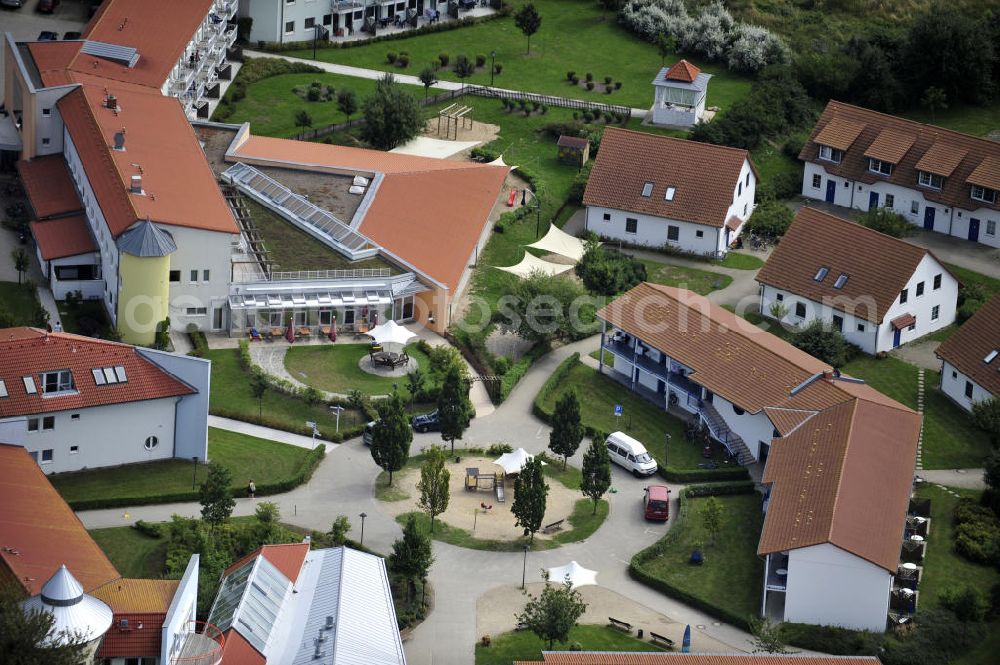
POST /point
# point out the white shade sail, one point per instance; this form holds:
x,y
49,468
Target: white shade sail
x,y
576,574
557,241
391,332
515,461
531,263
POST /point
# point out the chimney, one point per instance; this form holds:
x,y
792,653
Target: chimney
x,y
112,102
136,184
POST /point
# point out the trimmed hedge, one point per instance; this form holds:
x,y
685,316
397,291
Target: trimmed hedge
x,y
669,472
720,489
305,473
200,344
832,639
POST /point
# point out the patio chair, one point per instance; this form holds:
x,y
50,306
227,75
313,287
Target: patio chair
x,y
254,335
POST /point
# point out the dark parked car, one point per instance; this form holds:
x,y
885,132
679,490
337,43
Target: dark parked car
x,y
427,422
13,4
48,36
72,34
47,6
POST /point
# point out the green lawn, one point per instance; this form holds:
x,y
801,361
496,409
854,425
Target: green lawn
x,y
334,368
84,318
573,36
699,281
293,249
18,300
740,261
968,119
968,277
134,554
231,397
731,576
525,645
246,457
641,419
951,441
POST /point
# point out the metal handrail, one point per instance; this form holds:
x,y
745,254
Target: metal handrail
x,y
349,273
207,634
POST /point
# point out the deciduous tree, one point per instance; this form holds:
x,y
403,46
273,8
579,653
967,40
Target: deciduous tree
x,y
767,637
433,484
26,639
712,514
453,405
258,387
596,470
529,21
391,435
567,430
411,555
392,115
986,416
552,614
21,262
303,119
217,501
347,102
530,493
428,77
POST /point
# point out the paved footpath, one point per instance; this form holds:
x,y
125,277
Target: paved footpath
x,y
343,485
375,74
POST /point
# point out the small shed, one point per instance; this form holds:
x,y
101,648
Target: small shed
x,y
574,150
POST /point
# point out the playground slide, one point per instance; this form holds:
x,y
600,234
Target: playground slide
x,y
512,198
500,497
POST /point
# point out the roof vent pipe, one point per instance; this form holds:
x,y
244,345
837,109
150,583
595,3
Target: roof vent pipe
x,y
112,102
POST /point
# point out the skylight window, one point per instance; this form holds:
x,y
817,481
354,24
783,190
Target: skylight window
x,y
841,280
669,196
109,375
98,376
29,385
821,274
120,373
988,359
3,389
647,189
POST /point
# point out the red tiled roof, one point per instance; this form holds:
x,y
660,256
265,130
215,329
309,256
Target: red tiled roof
x,y
51,60
237,651
786,420
682,70
287,558
140,637
34,518
733,223
49,186
66,236
30,351
660,658
704,176
159,30
970,345
877,266
959,157
414,215
903,321
137,596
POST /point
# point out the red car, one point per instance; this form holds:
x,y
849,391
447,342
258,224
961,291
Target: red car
x,y
656,504
47,6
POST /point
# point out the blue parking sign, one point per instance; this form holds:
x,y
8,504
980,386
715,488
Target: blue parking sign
x,y
618,409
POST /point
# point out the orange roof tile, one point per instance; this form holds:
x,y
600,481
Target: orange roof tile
x,y
786,420
660,658
66,236
839,133
133,635
30,351
51,60
128,595
286,557
733,222
941,159
890,146
159,30
903,321
877,266
973,342
411,217
828,474
987,174
34,517
49,186
629,159
179,185
237,651
682,70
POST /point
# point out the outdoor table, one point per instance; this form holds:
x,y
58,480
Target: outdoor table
x,y
277,332
379,358
303,331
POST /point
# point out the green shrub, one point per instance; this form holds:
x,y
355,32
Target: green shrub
x,y
498,449
444,59
606,271
258,69
590,85
147,529
570,75
884,220
977,532
770,219
820,340
782,186
969,307
390,57
199,344
618,85
832,639
480,60
590,77
403,60
720,489
608,80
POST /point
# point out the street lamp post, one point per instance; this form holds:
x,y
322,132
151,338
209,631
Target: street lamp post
x,y
493,65
524,566
363,516
316,29
194,475
666,448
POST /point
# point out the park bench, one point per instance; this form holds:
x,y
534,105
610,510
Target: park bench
x,y
660,640
555,526
623,626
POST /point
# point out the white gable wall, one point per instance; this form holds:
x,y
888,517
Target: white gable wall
x,y
953,383
743,197
830,586
651,231
863,337
751,427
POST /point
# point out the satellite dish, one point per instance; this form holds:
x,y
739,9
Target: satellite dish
x,y
119,140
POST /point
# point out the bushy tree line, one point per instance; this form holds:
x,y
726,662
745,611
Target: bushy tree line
x,y
608,272
711,32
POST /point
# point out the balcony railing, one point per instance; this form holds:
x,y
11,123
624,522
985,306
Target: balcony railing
x,y
777,572
202,645
355,273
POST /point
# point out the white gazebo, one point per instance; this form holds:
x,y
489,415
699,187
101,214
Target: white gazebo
x,y
573,572
679,97
515,461
391,332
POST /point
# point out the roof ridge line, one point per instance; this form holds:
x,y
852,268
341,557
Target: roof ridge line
x,y
935,128
727,148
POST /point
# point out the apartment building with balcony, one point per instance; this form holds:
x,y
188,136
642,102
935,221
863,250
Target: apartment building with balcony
x,y
830,446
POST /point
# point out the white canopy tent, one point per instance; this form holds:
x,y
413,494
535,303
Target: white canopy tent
x,y
557,241
531,263
577,575
515,461
391,332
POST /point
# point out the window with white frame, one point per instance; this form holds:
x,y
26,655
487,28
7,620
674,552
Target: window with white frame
x,y
817,180
800,310
914,207
60,381
930,180
289,27
194,277
830,154
935,312
196,311
984,194
879,166
937,281
47,455
631,225
991,227
205,274
151,442
890,201
310,23
673,232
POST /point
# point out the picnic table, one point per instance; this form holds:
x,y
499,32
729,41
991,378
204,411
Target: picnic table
x,y
277,332
390,358
303,331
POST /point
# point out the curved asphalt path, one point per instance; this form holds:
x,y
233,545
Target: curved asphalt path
x,y
343,485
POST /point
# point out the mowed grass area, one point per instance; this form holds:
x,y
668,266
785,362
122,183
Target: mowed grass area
x,y
951,441
293,249
134,554
699,281
18,301
965,118
335,368
573,36
640,419
231,397
740,261
990,285
525,645
245,456
730,577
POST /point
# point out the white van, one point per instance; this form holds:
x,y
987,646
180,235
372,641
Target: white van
x,y
630,454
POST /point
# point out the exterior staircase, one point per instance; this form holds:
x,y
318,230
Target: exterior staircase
x,y
721,433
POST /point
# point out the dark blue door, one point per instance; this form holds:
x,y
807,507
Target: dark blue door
x,y
895,338
929,218
872,200
974,230
831,190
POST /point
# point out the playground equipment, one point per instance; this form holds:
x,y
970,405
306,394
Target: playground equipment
x,y
454,114
492,482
